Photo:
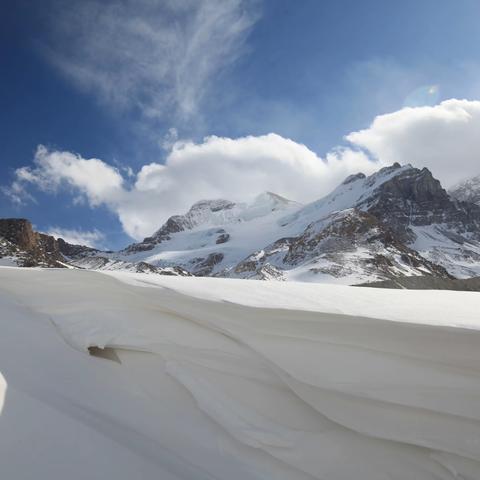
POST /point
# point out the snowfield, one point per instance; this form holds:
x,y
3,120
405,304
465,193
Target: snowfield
x,y
207,378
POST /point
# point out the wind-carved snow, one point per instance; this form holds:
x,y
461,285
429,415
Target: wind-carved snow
x,y
236,379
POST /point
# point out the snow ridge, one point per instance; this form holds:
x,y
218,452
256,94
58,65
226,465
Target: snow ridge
x,y
215,379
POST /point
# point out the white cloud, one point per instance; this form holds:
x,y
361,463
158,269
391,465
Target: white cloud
x,y
99,182
444,138
92,238
157,57
236,169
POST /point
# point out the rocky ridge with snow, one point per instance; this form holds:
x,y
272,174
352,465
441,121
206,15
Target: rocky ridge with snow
x,y
21,246
398,222
468,190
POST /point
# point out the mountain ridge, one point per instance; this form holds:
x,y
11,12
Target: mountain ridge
x,y
399,221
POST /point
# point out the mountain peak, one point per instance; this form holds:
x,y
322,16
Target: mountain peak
x,y
354,178
467,190
213,205
275,201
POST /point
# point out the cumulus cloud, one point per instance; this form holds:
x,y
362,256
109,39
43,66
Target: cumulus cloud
x,y
99,182
236,169
92,238
444,138
155,57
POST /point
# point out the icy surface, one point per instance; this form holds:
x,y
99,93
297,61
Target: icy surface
x,y
233,379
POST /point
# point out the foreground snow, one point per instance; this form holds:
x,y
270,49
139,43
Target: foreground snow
x,y
231,379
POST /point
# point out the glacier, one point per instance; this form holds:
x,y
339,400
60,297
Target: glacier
x,y
122,375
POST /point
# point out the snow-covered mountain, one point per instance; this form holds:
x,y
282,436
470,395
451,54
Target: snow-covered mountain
x,y
397,222
468,190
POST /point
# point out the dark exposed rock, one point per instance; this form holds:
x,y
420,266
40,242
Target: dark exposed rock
x,y
202,267
349,231
259,271
18,231
343,244
415,198
172,225
33,249
252,266
222,238
75,251
353,178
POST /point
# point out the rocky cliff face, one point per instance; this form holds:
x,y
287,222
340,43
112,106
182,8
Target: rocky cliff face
x,y
350,244
20,245
75,251
30,248
415,198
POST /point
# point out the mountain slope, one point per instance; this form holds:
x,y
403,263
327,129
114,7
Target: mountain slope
x,y
21,246
368,228
468,190
418,211
397,222
346,246
213,235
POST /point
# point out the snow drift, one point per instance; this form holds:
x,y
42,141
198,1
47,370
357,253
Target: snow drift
x,y
233,379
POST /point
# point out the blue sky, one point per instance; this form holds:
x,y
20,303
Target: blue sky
x,y
123,81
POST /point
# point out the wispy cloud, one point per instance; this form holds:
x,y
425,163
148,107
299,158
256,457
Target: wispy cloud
x,y
158,58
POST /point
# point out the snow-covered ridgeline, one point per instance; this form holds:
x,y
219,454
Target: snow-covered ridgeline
x,y
396,222
235,379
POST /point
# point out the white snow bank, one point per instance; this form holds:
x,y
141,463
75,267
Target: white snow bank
x,y
226,379
431,307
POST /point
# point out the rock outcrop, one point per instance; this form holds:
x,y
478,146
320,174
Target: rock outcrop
x,y
32,249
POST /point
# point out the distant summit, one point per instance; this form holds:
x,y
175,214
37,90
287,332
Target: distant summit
x,y
468,190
